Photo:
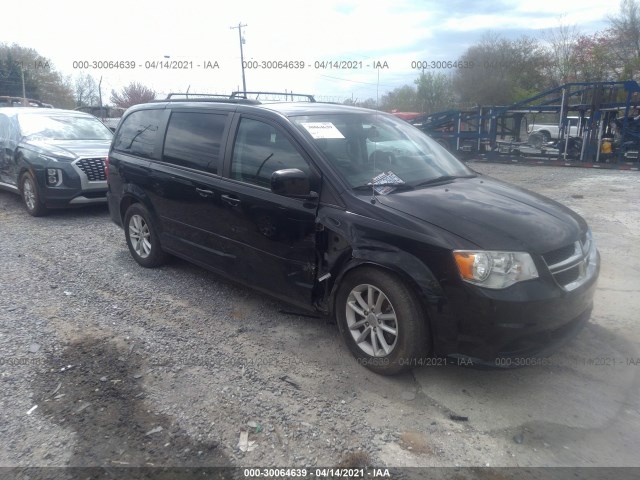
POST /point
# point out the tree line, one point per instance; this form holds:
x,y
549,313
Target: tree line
x,y
495,71
24,70
499,71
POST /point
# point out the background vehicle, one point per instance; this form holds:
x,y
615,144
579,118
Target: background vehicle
x,y
19,102
110,116
542,133
53,158
357,214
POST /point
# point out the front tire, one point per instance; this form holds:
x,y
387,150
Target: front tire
x,y
381,320
142,237
31,196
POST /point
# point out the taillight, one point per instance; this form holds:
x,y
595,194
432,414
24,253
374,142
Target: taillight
x,y
106,167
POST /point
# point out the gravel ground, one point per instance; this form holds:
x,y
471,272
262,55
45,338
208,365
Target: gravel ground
x,y
105,363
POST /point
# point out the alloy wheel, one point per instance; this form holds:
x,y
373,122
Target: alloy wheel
x,y
140,236
372,320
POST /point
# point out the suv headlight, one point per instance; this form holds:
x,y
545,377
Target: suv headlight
x,y
494,269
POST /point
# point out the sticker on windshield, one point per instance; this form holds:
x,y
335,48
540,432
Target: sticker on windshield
x,y
322,130
386,182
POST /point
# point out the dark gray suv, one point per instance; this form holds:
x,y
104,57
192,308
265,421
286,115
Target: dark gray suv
x,y
53,158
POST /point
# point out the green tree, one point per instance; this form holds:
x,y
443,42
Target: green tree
x,y
41,80
502,70
402,98
434,92
368,103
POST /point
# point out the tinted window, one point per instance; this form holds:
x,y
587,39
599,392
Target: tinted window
x,y
138,133
260,150
193,140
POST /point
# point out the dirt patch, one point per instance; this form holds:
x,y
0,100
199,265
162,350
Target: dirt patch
x,y
415,442
94,387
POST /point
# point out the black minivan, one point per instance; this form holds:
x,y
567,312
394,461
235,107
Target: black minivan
x,y
356,214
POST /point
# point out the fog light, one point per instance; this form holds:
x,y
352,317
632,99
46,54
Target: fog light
x,y
54,177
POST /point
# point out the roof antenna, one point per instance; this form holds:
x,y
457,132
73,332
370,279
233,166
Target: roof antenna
x,y
375,145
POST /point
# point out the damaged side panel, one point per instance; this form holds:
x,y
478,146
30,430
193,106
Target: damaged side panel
x,y
346,241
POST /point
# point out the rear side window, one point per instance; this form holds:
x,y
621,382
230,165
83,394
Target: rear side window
x,y
193,140
138,133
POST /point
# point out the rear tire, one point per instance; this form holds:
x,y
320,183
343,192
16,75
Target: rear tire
x,y
142,237
381,320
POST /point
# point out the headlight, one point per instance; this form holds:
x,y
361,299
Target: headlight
x,y
494,269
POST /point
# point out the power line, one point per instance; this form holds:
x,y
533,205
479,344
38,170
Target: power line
x,y
355,81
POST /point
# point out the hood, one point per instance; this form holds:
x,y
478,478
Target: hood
x,y
70,149
491,214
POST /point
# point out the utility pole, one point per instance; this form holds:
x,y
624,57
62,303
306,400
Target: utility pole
x,y
100,95
244,83
24,92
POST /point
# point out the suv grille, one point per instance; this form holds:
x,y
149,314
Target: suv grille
x,y
573,264
93,168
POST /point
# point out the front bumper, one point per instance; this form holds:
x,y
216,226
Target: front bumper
x,y
77,187
506,327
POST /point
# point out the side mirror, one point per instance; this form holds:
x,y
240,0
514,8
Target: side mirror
x,y
290,182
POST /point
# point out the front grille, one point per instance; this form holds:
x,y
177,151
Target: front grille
x,y
93,168
572,264
559,255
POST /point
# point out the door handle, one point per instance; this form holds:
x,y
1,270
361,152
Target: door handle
x,y
233,201
204,193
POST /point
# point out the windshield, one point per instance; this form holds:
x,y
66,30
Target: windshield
x,y
373,148
62,127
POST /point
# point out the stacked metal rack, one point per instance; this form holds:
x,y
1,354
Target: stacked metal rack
x,y
597,124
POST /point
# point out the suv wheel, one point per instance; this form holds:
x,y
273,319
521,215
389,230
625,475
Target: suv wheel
x,y
381,320
142,238
31,195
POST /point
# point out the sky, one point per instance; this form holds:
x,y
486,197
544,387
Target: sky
x,y
364,34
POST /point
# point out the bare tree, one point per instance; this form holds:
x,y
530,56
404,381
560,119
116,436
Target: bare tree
x,y
563,43
132,94
86,90
625,40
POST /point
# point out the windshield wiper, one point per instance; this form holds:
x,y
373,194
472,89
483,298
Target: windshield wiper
x,y
369,186
443,178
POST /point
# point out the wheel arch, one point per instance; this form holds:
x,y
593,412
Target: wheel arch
x,y
133,194
409,269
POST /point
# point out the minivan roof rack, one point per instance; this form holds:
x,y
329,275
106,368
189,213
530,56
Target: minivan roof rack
x,y
286,95
187,94
205,97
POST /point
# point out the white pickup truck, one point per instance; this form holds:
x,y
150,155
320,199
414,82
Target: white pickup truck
x,y
540,134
